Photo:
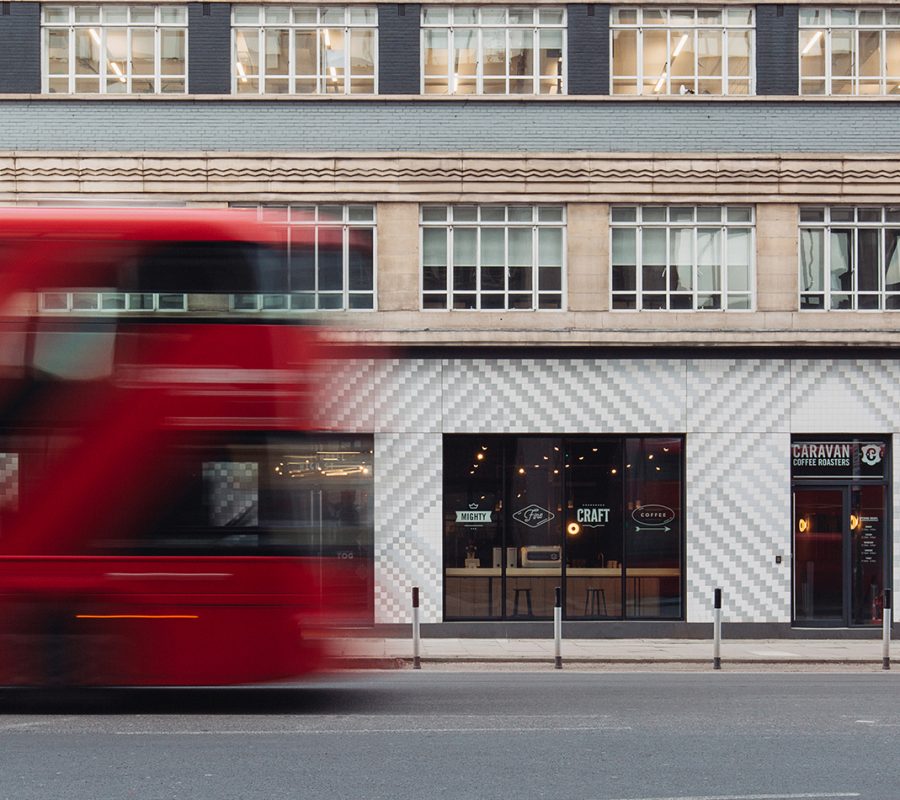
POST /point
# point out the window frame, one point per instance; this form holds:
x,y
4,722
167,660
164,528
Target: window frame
x,y
827,29
535,224
723,225
103,27
827,225
262,27
535,26
105,300
346,225
668,26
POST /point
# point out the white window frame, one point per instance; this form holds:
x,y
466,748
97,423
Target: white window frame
x,y
262,26
811,32
535,224
104,302
307,216
723,225
535,26
102,27
882,226
665,81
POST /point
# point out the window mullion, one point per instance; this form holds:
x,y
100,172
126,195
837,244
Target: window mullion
x,y
346,60
506,226
639,265
345,262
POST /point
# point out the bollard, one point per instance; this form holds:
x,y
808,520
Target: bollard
x,y
717,630
557,627
886,627
417,662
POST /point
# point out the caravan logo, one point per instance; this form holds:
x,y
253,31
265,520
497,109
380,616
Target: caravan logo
x,y
872,454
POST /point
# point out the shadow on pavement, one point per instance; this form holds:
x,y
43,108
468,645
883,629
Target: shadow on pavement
x,y
276,700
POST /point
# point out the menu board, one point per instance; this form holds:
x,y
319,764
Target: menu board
x,y
869,540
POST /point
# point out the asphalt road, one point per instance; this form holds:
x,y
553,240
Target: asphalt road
x,y
429,734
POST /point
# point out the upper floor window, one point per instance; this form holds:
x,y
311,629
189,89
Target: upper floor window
x,y
304,49
493,50
849,258
682,258
330,260
849,51
493,258
114,49
658,51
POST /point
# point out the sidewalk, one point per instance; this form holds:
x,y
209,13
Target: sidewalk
x,y
393,652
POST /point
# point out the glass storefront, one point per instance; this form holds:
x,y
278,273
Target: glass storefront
x,y
840,526
600,517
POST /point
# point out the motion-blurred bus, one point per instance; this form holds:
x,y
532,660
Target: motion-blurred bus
x,y
160,487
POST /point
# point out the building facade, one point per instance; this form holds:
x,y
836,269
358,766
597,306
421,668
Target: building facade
x,y
618,284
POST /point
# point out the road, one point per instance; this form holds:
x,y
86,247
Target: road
x,y
479,735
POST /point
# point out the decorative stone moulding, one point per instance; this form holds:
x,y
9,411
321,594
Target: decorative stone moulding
x,y
440,177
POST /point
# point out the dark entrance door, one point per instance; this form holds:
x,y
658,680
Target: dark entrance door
x,y
839,554
819,534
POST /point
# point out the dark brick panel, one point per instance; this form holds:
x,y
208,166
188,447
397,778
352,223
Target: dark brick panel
x,y
20,47
399,48
588,51
777,61
209,48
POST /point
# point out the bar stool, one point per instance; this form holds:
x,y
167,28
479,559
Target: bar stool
x,y
527,593
593,597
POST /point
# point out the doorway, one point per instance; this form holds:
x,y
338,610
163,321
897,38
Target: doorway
x,y
840,550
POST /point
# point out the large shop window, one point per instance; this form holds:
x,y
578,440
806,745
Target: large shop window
x,y
493,50
658,51
849,51
682,258
493,258
304,49
599,516
330,262
114,49
849,259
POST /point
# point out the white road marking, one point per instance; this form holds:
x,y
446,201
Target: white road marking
x,y
12,726
367,731
803,796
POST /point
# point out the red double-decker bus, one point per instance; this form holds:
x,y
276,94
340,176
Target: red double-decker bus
x,y
160,491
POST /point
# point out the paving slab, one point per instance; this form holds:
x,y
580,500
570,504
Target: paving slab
x,y
613,650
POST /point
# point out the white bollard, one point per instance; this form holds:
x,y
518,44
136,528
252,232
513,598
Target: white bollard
x,y
886,631
557,628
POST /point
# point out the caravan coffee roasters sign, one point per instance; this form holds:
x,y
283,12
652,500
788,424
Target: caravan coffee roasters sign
x,y
856,459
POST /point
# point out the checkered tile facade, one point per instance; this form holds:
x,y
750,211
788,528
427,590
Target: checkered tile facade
x,y
737,415
748,396
9,480
738,521
366,395
563,395
233,488
408,531
830,396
